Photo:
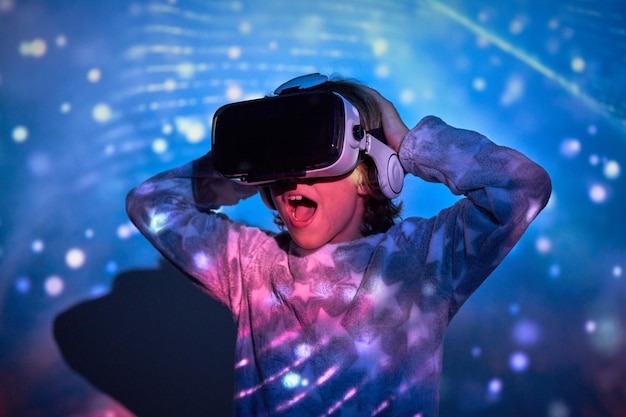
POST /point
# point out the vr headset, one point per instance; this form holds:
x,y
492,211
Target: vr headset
x,y
298,133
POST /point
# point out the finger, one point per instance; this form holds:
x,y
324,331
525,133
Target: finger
x,y
395,129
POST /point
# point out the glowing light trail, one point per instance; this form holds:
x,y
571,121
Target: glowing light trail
x,y
523,56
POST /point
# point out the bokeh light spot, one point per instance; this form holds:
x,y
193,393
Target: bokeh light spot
x,y
598,193
303,350
169,85
558,409
191,128
102,113
245,27
35,48
590,326
555,271
54,285
167,129
482,41
61,41
608,335
185,70
124,231
234,52
75,258
22,285
37,246
234,92
543,245
570,147
476,352
592,130
65,107
553,23
479,84
6,6
617,271
578,64
24,48
39,164
111,268
382,71
612,170
407,97
94,75
380,47
519,361
201,261
495,387
291,380
526,333
20,134
159,145
483,16
516,26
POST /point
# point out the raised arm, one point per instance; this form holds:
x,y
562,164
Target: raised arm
x,y
174,210
504,192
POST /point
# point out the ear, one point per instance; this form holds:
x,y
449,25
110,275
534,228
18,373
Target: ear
x,y
359,176
361,189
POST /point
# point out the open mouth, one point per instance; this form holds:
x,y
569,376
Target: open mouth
x,y
302,209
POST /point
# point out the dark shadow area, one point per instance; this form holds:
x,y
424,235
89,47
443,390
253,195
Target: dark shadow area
x,y
155,343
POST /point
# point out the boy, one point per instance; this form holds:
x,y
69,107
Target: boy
x,y
345,313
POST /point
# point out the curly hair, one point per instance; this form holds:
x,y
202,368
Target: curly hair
x,y
380,212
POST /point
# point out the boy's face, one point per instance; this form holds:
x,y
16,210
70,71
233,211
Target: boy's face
x,y
319,212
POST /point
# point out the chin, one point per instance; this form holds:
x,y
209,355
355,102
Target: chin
x,y
308,245
307,242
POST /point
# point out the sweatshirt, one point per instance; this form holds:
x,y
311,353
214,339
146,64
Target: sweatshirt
x,y
353,328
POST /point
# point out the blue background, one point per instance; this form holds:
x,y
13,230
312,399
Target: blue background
x,y
97,96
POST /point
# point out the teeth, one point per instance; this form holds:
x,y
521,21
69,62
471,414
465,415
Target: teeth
x,y
294,197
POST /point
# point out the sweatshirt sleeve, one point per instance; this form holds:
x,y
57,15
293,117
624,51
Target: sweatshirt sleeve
x,y
176,211
504,192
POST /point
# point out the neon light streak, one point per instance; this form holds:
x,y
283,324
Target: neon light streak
x,y
381,408
242,363
520,54
351,393
279,374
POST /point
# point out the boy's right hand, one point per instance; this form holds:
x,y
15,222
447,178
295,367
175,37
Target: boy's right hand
x,y
394,127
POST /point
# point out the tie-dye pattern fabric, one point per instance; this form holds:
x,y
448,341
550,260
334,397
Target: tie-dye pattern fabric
x,y
357,328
